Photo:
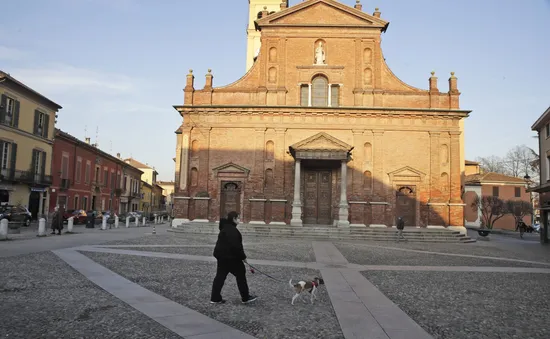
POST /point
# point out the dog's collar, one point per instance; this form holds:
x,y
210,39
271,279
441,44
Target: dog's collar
x,y
314,284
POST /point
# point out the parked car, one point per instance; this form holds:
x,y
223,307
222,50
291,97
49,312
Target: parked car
x,y
16,214
79,216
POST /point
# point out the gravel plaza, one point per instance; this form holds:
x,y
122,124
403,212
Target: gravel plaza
x,y
130,283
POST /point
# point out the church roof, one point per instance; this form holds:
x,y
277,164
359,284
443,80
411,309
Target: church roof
x,y
317,13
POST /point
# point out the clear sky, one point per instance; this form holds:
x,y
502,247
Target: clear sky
x,y
120,65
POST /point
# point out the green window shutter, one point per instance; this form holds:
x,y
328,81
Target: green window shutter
x,y
43,165
13,160
16,114
46,125
34,159
36,118
3,108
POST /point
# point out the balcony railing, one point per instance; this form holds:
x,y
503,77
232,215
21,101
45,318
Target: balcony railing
x,y
7,174
29,177
65,184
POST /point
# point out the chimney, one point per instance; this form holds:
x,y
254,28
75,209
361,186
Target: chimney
x,y
358,5
433,83
453,85
118,155
376,12
88,141
189,89
209,78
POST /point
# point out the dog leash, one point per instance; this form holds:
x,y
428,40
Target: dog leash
x,y
252,269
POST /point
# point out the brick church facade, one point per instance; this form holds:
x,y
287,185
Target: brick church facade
x,y
320,131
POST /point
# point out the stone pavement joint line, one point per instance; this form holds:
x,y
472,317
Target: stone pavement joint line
x,y
362,310
324,256
177,318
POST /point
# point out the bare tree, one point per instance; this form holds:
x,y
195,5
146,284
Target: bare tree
x,y
492,163
519,161
491,208
519,208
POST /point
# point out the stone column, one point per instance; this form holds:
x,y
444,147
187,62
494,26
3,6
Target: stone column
x,y
343,212
456,206
297,203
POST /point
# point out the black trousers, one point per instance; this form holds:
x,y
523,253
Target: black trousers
x,y
235,267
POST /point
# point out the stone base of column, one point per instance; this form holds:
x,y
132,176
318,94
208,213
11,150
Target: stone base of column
x,y
296,215
343,216
179,222
461,229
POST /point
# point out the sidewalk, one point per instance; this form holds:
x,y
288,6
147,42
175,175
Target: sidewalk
x,y
28,242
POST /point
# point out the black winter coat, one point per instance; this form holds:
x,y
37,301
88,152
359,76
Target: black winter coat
x,y
230,242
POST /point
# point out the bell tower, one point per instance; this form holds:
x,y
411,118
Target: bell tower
x,y
255,10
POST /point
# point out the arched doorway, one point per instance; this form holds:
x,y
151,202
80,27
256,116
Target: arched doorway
x,y
406,205
230,198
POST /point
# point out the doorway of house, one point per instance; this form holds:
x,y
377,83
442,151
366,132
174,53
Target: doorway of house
x,y
230,198
317,189
34,204
406,205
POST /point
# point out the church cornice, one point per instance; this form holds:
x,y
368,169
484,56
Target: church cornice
x,y
333,111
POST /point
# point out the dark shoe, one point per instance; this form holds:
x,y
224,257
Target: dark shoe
x,y
53,233
250,298
217,302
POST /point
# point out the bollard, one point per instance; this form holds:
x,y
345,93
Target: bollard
x,y
137,221
154,229
41,228
104,223
157,220
127,222
70,224
4,229
144,220
116,221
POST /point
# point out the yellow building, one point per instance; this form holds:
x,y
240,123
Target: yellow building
x,y
151,193
146,197
27,123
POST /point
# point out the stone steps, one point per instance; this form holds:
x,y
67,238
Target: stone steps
x,y
319,233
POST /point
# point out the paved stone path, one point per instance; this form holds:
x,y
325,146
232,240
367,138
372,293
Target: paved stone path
x,y
179,319
361,309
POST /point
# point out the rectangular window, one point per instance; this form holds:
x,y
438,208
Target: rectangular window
x,y
37,156
547,130
113,180
41,124
87,172
548,168
335,96
96,175
304,95
495,191
118,182
85,203
64,167
517,192
75,203
124,183
105,177
10,109
5,160
78,170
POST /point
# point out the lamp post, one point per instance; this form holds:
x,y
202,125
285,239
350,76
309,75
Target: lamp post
x,y
527,186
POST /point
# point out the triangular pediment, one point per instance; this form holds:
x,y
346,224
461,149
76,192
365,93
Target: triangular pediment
x,y
319,13
407,173
321,142
231,168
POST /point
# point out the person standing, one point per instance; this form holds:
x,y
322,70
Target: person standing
x,y
400,226
230,255
57,220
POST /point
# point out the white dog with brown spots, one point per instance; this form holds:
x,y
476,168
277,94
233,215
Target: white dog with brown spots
x,y
302,286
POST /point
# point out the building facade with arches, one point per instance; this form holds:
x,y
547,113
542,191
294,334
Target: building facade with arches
x,y
320,131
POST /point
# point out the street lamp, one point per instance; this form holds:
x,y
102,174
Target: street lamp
x,y
527,186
